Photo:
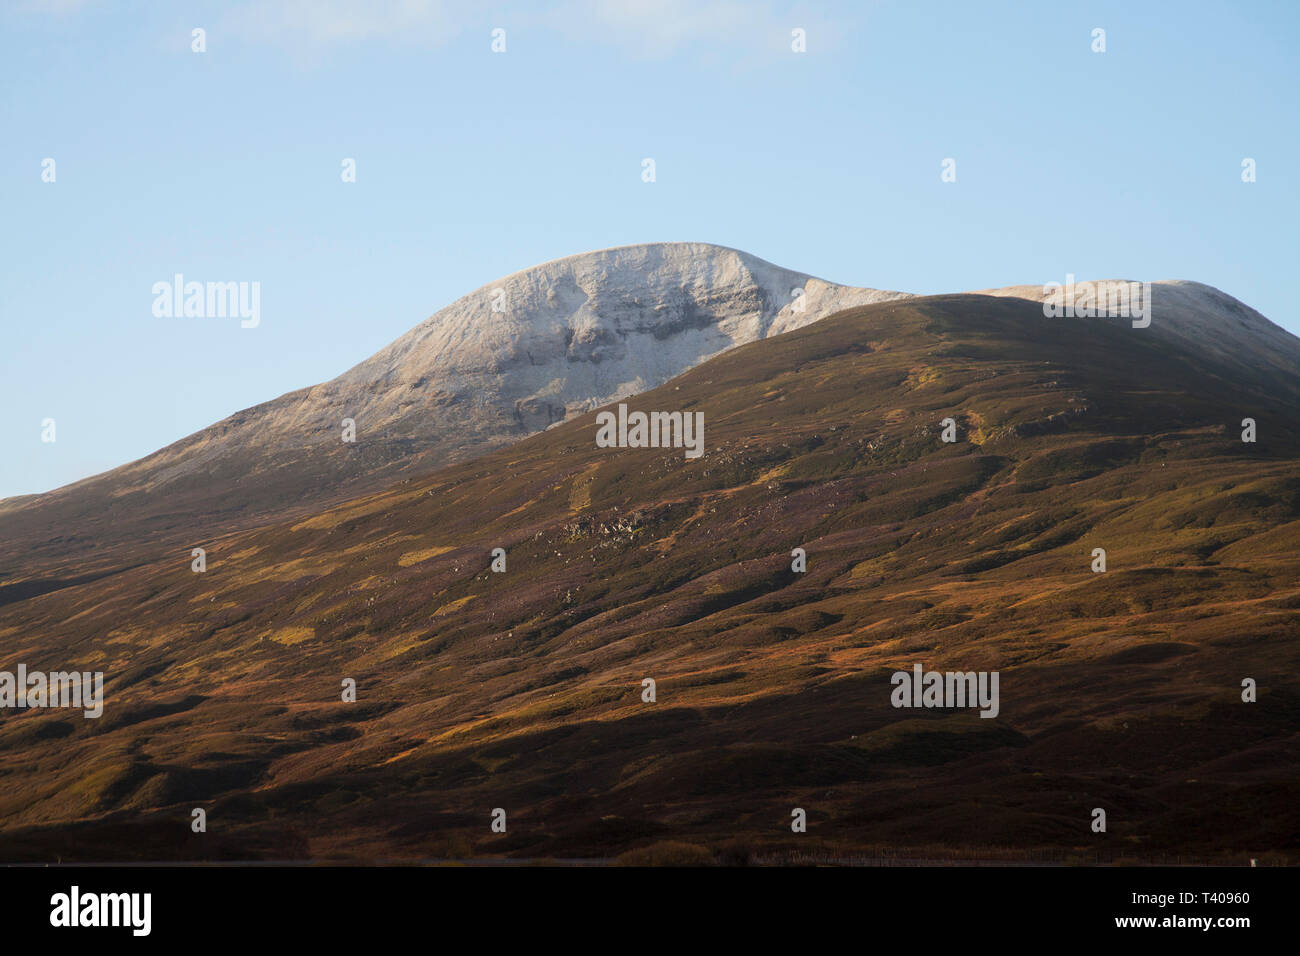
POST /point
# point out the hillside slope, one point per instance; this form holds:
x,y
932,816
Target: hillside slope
x,y
503,362
522,690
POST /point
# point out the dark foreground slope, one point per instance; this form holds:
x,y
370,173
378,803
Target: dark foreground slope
x,y
478,690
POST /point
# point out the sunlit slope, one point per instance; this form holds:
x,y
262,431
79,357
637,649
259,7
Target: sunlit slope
x,y
505,361
522,689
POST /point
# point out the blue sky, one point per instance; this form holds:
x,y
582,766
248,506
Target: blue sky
x,y
225,166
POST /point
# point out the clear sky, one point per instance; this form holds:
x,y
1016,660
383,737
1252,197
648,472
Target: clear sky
x,y
225,166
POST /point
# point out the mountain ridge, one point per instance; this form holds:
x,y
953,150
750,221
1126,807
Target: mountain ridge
x,y
574,333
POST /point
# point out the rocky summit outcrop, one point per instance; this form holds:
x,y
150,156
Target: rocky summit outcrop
x,y
510,359
562,338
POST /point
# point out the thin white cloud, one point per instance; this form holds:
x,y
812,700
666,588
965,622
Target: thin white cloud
x,y
659,28
324,23
56,7
737,31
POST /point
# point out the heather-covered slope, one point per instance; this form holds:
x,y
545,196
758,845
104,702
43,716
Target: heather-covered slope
x,y
522,690
500,363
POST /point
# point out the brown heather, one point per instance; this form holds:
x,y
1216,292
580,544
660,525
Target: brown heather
x,y
522,690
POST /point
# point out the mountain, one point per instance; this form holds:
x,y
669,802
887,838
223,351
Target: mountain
x,y
1202,319
514,357
522,690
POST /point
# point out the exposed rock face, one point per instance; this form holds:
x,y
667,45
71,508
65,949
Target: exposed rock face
x,y
562,338
510,359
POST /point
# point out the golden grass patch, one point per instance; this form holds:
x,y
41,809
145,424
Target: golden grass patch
x,y
288,636
455,605
415,557
296,569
